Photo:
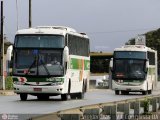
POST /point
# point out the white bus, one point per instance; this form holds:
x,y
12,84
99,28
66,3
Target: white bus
x,y
50,61
134,69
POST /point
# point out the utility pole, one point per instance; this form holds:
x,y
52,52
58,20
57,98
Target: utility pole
x,y
2,81
17,15
30,14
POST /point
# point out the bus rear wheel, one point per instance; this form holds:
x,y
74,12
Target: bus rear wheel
x,y
23,96
64,97
73,96
81,94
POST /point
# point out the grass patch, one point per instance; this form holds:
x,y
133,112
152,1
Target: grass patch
x,y
9,83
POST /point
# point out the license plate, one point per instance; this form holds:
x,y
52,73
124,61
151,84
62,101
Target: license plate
x,y
37,89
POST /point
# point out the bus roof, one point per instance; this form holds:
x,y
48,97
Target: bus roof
x,y
134,48
57,30
101,54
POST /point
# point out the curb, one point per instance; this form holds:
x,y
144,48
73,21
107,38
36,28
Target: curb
x,y
6,93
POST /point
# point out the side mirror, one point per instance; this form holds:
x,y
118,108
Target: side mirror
x,y
8,58
147,65
66,54
111,64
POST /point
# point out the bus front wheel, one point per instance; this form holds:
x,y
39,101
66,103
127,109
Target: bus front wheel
x,y
73,96
117,92
145,92
23,96
150,91
124,92
64,97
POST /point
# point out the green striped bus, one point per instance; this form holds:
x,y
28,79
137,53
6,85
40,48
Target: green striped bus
x,y
50,61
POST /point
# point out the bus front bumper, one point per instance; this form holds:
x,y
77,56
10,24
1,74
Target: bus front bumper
x,y
57,90
131,88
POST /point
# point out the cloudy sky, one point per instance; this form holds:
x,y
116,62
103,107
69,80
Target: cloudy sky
x,y
108,23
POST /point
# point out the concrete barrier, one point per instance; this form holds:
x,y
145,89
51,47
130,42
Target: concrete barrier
x,y
125,110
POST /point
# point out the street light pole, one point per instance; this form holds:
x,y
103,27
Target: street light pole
x,y
30,14
2,81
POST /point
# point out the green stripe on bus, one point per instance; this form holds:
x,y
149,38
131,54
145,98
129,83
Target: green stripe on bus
x,y
78,63
87,65
74,63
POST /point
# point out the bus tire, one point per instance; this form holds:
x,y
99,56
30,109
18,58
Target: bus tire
x,y
85,86
23,96
73,96
145,92
69,86
64,97
81,94
150,91
116,92
124,92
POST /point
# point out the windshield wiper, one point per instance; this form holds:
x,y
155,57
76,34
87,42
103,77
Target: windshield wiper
x,y
34,62
45,67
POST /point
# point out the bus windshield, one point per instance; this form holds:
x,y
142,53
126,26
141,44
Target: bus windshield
x,y
39,41
38,62
129,69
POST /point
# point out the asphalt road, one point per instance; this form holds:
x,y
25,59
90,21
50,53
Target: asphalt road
x,y
13,105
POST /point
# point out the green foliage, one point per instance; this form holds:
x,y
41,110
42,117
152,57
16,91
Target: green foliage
x,y
146,106
9,83
130,42
153,39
